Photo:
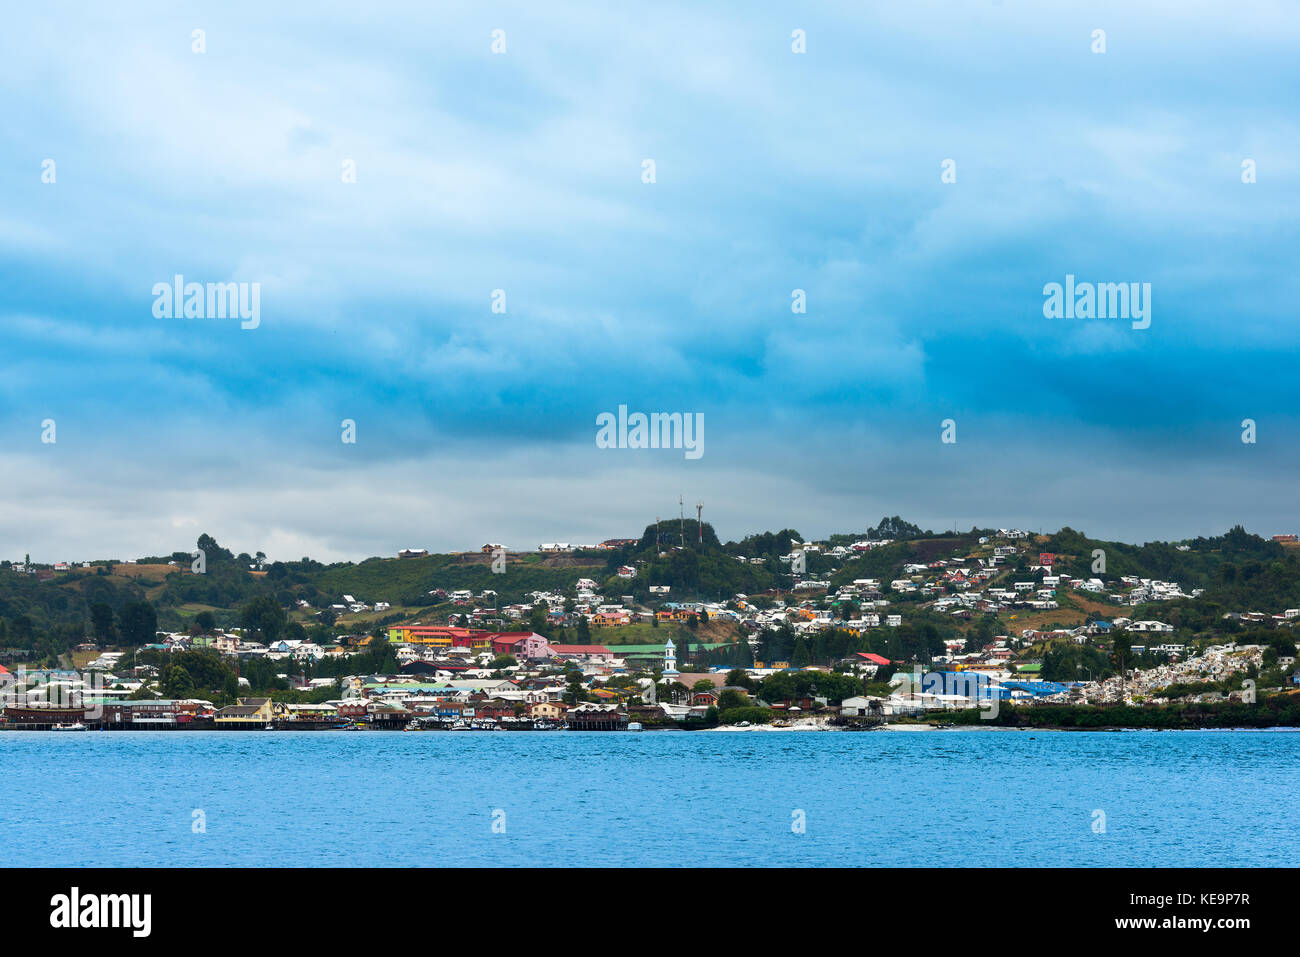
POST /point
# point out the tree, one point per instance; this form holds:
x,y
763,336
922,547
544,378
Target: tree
x,y
212,552
138,623
263,615
731,698
739,678
1121,651
206,621
177,682
801,657
101,622
573,691
538,620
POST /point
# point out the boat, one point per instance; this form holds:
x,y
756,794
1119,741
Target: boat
x,y
460,726
75,726
634,726
269,727
412,725
742,724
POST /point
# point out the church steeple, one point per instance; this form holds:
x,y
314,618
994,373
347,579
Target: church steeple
x,y
670,658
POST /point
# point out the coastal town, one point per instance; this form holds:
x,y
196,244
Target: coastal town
x,y
995,623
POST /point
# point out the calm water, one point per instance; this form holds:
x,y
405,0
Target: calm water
x,y
961,798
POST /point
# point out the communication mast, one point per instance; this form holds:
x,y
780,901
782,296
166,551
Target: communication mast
x,y
699,520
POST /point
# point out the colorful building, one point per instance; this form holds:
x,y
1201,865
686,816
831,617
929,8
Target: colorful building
x,y
437,636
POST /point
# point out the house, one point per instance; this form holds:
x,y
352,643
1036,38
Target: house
x,y
861,707
596,717
352,708
387,714
249,712
866,661
496,708
626,571
547,710
522,645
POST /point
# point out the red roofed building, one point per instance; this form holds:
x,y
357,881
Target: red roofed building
x,y
523,645
868,662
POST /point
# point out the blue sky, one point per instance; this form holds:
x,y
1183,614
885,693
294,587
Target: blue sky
x,y
522,171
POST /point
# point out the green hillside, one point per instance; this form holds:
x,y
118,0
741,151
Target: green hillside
x,y
44,615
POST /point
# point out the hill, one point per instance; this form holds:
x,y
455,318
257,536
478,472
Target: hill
x,y
45,613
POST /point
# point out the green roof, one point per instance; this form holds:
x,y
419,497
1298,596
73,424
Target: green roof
x,y
659,649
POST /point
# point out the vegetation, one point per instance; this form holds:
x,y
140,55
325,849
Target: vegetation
x,y
1277,711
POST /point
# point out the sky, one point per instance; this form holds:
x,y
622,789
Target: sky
x,y
524,171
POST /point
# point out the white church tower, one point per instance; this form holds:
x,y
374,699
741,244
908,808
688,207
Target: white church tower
x,y
670,658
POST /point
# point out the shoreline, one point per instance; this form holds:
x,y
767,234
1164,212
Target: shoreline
x,y
725,729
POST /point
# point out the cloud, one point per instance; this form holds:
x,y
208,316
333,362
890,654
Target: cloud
x,y
522,172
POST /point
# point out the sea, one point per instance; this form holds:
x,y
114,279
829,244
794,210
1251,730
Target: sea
x,y
964,798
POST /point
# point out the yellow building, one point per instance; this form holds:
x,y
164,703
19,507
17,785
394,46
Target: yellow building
x,y
435,636
249,712
548,710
